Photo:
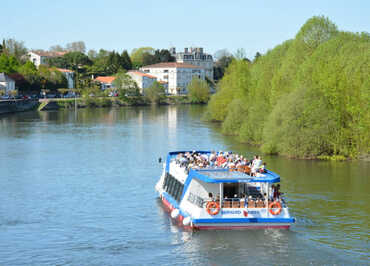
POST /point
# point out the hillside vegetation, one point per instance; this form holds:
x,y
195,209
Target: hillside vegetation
x,y
309,97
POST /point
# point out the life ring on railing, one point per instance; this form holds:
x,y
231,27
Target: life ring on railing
x,y
275,205
213,208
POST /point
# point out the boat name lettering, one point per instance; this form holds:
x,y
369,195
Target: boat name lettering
x,y
196,200
231,212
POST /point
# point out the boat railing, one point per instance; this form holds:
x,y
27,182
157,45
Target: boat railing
x,y
244,203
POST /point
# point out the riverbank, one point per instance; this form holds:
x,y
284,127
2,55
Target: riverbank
x,y
98,102
17,105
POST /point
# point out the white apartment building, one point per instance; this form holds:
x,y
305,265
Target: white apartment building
x,y
143,80
41,57
195,56
178,75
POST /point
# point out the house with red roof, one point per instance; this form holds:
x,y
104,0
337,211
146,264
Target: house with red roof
x,y
105,82
177,75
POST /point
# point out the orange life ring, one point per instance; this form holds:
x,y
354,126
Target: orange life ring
x,y
213,207
275,205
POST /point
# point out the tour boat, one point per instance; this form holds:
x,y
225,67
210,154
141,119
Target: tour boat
x,y
214,196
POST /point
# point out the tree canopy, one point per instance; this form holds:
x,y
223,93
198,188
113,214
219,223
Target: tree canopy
x,y
307,98
198,91
125,85
155,92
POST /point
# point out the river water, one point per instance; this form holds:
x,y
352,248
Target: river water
x,y
77,188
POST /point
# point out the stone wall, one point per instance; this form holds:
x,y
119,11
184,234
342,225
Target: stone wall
x,y
12,106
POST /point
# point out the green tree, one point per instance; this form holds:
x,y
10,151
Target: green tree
x,y
198,91
76,47
316,31
234,84
137,55
8,63
31,75
52,79
16,48
308,97
155,93
220,66
70,60
126,60
258,55
56,48
76,59
125,85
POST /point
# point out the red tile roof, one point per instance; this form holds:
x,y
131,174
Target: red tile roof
x,y
171,65
142,74
108,79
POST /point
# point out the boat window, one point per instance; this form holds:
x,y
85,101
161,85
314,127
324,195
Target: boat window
x,y
173,187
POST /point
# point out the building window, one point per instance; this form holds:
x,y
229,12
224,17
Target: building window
x,y
165,76
165,71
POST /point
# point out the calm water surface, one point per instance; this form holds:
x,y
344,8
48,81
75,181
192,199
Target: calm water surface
x,y
77,188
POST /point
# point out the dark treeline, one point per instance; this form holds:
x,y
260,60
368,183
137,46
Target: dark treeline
x,y
306,98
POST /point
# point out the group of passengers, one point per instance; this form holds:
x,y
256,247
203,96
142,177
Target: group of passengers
x,y
249,200
221,159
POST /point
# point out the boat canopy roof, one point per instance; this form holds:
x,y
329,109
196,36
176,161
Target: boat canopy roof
x,y
227,176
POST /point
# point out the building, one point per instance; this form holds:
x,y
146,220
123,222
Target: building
x,y
177,75
41,57
7,84
195,56
143,80
69,74
105,82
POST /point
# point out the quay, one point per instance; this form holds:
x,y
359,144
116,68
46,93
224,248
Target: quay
x,y
17,105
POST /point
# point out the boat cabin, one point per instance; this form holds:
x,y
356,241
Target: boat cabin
x,y
233,189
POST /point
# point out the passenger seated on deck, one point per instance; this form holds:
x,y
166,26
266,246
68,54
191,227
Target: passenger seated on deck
x,y
251,203
230,164
220,159
212,158
242,200
260,203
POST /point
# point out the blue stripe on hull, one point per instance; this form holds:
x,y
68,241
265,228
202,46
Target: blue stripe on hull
x,y
244,220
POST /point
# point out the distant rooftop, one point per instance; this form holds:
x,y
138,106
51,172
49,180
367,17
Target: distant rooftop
x,y
107,79
171,65
49,54
142,74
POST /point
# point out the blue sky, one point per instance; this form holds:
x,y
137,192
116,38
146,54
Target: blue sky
x,y
119,24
